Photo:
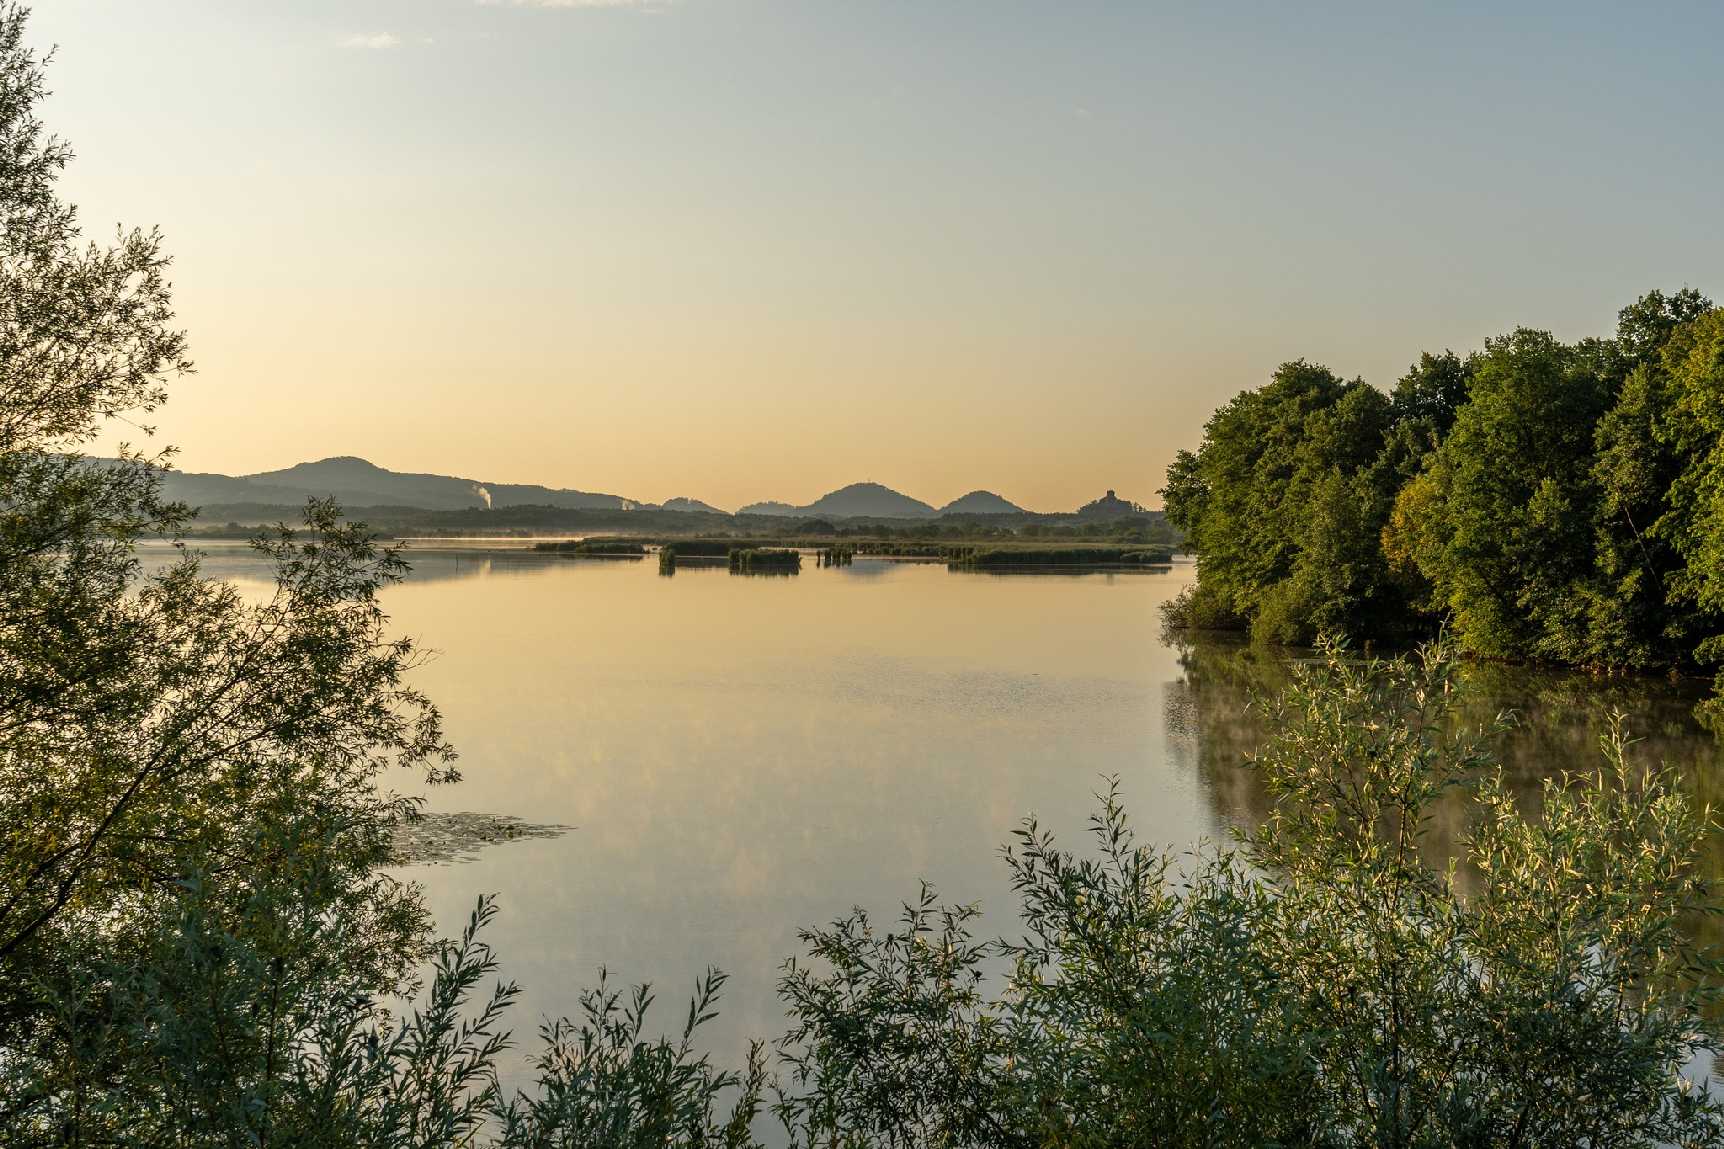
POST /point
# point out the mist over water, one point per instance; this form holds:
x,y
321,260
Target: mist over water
x,y
740,757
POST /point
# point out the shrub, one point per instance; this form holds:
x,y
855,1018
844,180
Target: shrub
x,y
1329,984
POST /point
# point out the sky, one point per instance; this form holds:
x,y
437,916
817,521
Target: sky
x,y
756,249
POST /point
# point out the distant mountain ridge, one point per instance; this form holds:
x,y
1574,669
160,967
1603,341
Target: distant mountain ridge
x,y
359,483
356,482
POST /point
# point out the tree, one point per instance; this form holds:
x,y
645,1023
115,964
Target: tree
x,y
1646,325
1544,524
1503,531
1283,504
187,780
1693,522
1534,495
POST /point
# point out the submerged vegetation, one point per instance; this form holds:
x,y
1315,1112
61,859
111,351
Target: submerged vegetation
x,y
758,560
444,837
596,548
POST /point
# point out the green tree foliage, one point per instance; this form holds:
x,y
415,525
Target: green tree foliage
x,y
1692,526
1544,521
1644,461
1511,543
1283,504
1549,501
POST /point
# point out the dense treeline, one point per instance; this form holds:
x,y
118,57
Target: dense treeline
x,y
1547,501
239,521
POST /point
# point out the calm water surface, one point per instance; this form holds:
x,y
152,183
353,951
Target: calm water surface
x,y
743,756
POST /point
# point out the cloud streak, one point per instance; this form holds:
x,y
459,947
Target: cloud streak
x,y
371,41
573,5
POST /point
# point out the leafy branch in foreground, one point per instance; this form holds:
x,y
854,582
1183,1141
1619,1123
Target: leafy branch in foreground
x,y
1337,981
603,1082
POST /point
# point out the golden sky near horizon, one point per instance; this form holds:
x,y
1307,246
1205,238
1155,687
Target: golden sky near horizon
x,y
760,249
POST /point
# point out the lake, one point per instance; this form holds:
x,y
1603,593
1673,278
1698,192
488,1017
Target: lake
x,y
743,756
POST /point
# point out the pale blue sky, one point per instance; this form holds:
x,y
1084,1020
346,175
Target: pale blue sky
x,y
740,249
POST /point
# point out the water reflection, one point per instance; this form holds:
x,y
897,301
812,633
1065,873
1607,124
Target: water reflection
x,y
1108,573
1557,724
239,562
1557,721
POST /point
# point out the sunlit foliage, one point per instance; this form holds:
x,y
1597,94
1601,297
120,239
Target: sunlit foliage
x,y
1549,501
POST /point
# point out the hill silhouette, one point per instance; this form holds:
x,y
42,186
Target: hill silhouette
x,y
691,506
359,483
981,503
1109,506
870,500
770,507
